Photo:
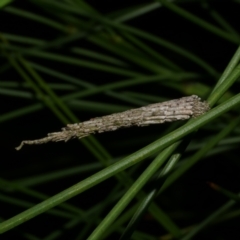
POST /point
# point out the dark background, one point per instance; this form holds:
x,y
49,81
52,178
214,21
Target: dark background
x,y
187,202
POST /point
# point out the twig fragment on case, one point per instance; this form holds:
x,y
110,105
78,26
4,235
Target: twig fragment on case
x,y
169,111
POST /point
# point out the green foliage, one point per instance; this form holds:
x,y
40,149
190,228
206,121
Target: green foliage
x,y
66,60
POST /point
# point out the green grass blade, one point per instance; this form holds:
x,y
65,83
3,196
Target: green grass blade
x,y
98,56
121,165
142,208
191,161
230,67
214,216
3,3
200,22
125,200
223,22
35,17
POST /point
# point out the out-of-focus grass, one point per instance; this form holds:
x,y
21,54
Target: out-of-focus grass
x,y
83,62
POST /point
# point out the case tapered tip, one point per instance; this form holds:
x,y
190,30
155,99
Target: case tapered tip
x,y
20,146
